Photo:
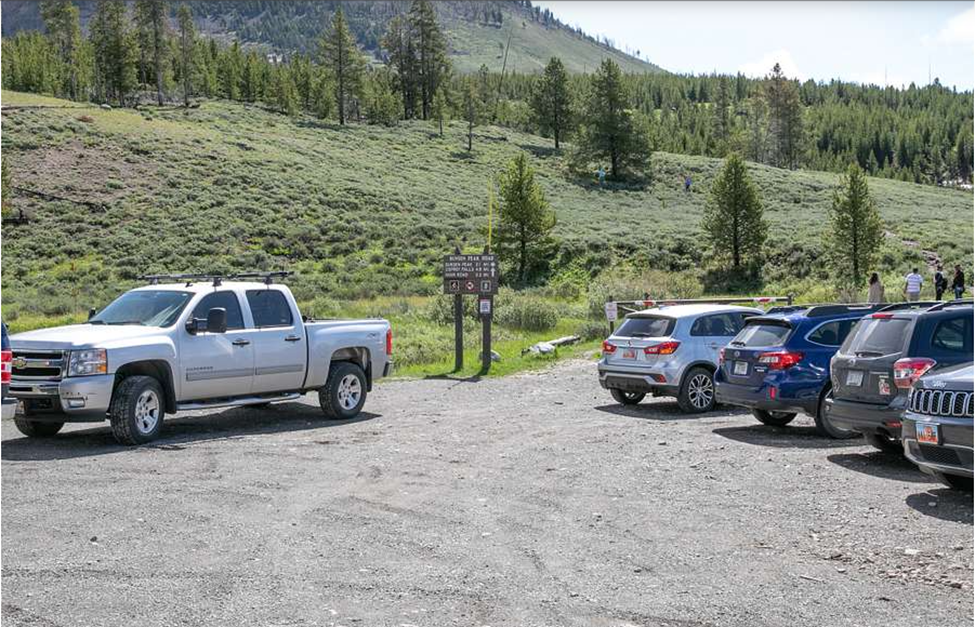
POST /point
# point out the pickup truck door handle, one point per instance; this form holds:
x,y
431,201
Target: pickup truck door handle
x,y
241,342
292,338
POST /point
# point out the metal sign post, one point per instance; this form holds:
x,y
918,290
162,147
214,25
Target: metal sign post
x,y
612,313
477,275
485,307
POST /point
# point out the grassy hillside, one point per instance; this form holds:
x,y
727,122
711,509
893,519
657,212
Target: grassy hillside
x,y
364,211
474,34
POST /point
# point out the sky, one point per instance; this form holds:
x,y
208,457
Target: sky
x,y
854,41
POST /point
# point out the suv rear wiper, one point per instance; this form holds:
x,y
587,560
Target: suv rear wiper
x,y
868,354
736,343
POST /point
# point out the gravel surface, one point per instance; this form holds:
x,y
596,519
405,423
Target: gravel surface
x,y
527,500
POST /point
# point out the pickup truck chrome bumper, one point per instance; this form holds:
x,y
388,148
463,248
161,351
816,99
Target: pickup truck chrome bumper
x,y
76,395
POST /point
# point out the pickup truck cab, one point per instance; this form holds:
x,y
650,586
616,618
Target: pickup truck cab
x,y
161,349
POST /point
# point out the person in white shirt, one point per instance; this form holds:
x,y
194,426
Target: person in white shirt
x,y
912,285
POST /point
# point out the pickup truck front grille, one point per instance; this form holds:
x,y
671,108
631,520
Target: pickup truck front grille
x,y
38,365
941,403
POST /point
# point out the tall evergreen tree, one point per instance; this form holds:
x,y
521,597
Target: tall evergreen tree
x,y
733,218
855,231
187,50
721,120
610,129
115,51
525,222
398,42
431,51
551,101
152,17
440,109
785,118
63,25
342,57
473,110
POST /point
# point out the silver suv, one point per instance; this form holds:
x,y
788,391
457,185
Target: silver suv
x,y
670,351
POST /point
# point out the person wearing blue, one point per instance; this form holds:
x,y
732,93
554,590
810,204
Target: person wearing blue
x,y
687,182
601,175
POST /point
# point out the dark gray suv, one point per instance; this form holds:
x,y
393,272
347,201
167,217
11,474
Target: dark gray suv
x,y
937,426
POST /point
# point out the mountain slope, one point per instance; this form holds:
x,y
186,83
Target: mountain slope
x,y
363,210
477,30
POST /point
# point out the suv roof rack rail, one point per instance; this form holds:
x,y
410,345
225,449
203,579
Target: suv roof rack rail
x,y
817,311
267,277
917,304
786,309
961,302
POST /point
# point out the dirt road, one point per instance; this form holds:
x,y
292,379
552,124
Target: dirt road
x,y
527,500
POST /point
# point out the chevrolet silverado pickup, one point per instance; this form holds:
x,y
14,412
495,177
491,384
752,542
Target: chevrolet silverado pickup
x,y
196,344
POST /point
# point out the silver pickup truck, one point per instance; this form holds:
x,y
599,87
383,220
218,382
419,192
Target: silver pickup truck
x,y
161,349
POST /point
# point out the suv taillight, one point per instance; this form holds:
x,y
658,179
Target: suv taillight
x,y
664,348
389,341
910,369
608,348
780,360
6,359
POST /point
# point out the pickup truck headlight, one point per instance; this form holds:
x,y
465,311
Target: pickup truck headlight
x,y
88,362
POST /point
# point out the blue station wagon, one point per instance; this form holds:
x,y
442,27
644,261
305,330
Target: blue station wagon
x,y
778,365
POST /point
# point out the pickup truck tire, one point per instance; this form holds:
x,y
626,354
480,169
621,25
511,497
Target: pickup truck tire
x,y
773,418
626,398
137,409
696,391
823,426
37,429
344,393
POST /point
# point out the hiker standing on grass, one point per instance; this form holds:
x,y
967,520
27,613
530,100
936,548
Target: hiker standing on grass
x,y
875,293
687,182
912,286
958,283
601,175
940,283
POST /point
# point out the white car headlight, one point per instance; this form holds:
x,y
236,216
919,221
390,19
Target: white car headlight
x,y
87,362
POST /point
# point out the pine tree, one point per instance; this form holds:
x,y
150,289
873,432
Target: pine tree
x,y
115,51
733,222
187,50
473,110
551,101
431,51
382,101
342,57
855,230
399,44
526,221
440,109
785,118
63,25
610,129
721,120
152,16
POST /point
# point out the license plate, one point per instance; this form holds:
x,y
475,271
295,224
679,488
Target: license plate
x,y
884,386
629,353
854,378
926,433
741,367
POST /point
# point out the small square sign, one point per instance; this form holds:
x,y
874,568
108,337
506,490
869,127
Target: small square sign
x,y
484,306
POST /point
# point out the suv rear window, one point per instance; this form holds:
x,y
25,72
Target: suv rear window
x,y
878,336
762,334
646,326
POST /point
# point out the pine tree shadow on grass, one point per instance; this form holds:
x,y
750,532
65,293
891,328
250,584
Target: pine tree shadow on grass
x,y
322,125
540,152
462,155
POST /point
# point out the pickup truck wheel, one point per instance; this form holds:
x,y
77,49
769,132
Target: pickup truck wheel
x,y
823,426
37,429
626,398
773,418
696,391
137,410
344,393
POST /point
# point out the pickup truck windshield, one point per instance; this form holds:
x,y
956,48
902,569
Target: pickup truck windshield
x,y
151,308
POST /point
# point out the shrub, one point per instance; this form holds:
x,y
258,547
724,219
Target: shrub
x,y
592,330
524,311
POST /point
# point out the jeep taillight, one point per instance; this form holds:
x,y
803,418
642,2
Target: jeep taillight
x,y
6,361
389,341
780,360
910,369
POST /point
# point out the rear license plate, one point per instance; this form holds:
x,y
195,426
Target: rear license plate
x,y
741,367
926,433
629,353
854,378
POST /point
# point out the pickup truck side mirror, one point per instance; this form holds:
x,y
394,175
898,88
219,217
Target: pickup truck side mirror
x,y
217,320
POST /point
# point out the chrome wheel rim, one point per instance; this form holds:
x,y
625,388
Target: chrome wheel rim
x,y
700,391
350,391
147,412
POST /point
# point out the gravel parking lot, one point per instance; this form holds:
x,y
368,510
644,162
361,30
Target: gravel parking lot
x,y
527,500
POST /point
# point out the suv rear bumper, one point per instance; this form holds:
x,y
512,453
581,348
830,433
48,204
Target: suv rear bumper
x,y
951,456
867,417
638,380
758,398
74,398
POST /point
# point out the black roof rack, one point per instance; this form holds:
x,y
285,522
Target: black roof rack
x,y
217,279
961,302
818,311
786,309
917,304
